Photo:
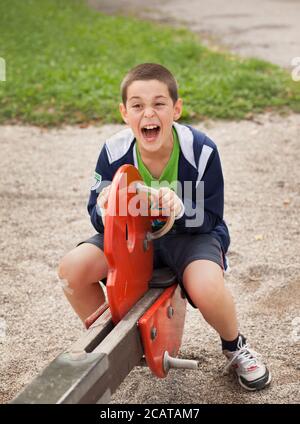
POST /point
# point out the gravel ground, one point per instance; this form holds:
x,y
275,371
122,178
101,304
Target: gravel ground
x,y
45,180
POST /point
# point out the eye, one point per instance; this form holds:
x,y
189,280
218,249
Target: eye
x,y
159,104
136,106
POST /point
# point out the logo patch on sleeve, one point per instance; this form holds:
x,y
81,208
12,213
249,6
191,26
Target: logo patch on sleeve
x,y
97,183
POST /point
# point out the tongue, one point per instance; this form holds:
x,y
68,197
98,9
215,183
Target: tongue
x,y
151,133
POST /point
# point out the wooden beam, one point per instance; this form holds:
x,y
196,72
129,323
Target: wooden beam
x,y
83,375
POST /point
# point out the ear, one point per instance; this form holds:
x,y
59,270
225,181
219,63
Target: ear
x,y
177,109
123,112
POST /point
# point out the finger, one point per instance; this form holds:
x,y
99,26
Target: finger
x,y
167,209
167,203
103,198
167,198
164,191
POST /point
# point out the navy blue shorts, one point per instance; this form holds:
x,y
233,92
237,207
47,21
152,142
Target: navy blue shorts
x,y
177,251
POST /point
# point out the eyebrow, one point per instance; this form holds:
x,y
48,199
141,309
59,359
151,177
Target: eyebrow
x,y
139,98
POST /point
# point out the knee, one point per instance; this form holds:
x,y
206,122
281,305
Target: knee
x,y
206,291
70,269
64,267
212,289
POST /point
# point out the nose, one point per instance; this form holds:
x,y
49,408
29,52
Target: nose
x,y
148,112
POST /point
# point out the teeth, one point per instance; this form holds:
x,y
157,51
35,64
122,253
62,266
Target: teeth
x,y
150,127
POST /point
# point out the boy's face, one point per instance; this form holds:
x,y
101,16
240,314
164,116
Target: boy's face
x,y
150,113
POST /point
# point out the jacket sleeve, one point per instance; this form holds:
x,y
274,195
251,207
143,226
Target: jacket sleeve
x,y
204,207
103,177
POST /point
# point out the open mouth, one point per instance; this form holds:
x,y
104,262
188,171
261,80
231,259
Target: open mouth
x,y
150,132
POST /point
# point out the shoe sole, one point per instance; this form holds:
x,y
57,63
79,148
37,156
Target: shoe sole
x,y
253,389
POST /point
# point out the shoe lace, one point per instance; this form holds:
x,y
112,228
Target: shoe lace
x,y
245,355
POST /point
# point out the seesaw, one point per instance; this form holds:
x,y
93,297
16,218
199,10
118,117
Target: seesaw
x,y
142,322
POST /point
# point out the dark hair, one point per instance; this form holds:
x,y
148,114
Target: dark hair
x,y
150,71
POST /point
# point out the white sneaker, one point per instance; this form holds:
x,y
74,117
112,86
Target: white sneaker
x,y
251,371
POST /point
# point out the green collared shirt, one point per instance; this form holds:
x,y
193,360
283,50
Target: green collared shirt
x,y
168,177
169,174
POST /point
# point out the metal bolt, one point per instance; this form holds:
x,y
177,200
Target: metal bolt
x,y
170,311
153,333
170,362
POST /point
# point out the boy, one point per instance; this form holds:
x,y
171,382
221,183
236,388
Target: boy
x,y
195,249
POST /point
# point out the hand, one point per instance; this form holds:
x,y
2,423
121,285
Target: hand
x,y
103,197
170,202
102,200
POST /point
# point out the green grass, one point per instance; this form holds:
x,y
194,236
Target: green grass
x,y
64,63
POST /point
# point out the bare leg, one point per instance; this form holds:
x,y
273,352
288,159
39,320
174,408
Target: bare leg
x,y
204,282
82,269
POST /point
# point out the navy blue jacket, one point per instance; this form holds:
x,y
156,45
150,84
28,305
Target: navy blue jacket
x,y
199,163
